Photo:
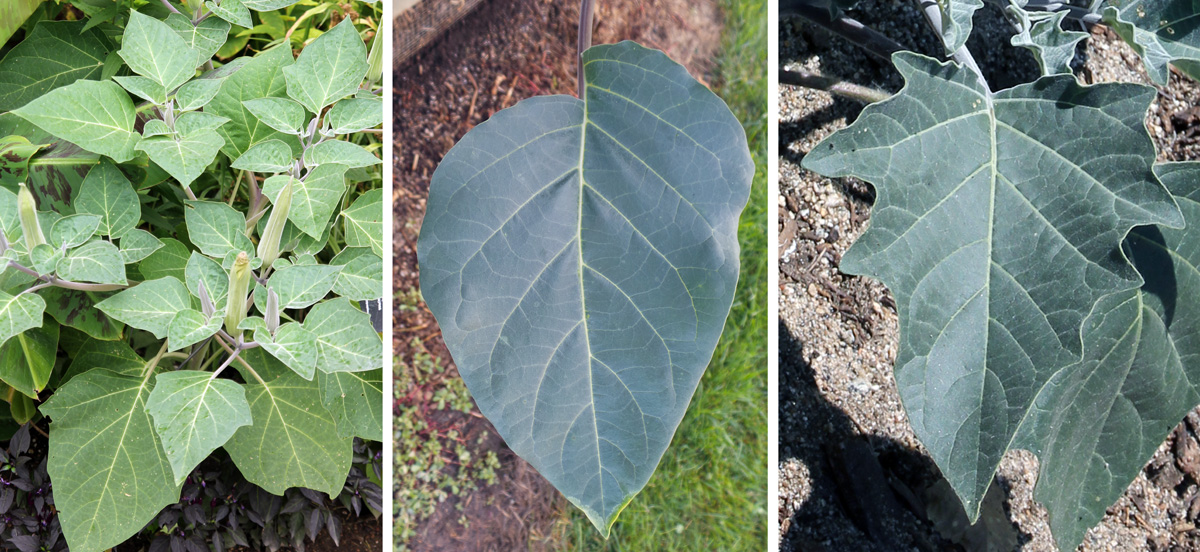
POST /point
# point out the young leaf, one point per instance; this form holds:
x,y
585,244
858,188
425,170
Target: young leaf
x,y
270,156
314,199
27,360
581,257
355,399
216,280
338,151
155,127
261,77
280,114
354,115
196,122
300,287
329,69
107,193
168,261
967,237
137,244
45,258
96,261
197,93
194,414
1162,31
364,222
1041,33
19,313
149,306
232,11
300,435
189,327
293,345
55,54
97,116
105,458
77,309
361,275
73,230
153,50
186,157
216,228
345,338
143,87
205,37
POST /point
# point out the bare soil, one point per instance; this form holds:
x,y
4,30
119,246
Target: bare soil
x,y
503,52
852,474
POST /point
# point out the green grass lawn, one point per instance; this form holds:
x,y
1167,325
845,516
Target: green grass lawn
x,y
710,490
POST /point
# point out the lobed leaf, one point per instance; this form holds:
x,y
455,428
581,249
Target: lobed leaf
x,y
189,327
329,68
314,199
356,401
364,222
1163,32
194,414
300,287
361,275
293,345
345,338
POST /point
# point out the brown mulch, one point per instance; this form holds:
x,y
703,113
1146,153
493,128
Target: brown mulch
x,y
503,52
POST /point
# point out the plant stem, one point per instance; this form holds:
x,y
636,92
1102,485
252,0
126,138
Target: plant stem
x,y
153,363
228,361
833,85
933,14
239,359
874,42
587,15
48,281
167,3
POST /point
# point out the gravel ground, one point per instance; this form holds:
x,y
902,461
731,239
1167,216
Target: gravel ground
x,y
852,474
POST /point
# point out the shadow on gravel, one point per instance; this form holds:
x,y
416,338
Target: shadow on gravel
x,y
869,492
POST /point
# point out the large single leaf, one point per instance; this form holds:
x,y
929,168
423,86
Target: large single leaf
x,y
1162,31
27,360
364,222
155,51
149,306
261,77
361,278
13,14
184,157
169,260
346,340
97,116
110,474
294,441
581,259
106,192
997,230
216,228
300,287
194,414
1096,423
355,114
292,345
356,401
77,309
96,261
329,69
113,356
55,54
18,313
314,199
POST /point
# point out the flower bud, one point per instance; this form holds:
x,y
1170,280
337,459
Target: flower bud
x,y
239,288
27,212
268,245
272,314
206,304
375,59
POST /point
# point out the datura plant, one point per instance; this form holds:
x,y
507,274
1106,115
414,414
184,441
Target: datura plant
x,y
580,255
1044,266
185,242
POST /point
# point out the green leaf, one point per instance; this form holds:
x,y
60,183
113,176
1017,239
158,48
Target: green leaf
x,y
189,327
581,258
27,360
345,338
19,313
45,258
957,16
271,156
205,38
168,261
216,228
299,434
55,54
149,306
197,93
329,69
73,230
111,356
15,154
97,116
268,5
216,279
1161,31
137,244
337,151
105,459
153,50
1041,33
361,278
1136,379
354,115
186,157
356,401
155,127
96,261
77,309
232,11
982,199
364,222
194,414
261,77
293,345
13,14
196,122
314,199
107,193
300,287
280,114
143,87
